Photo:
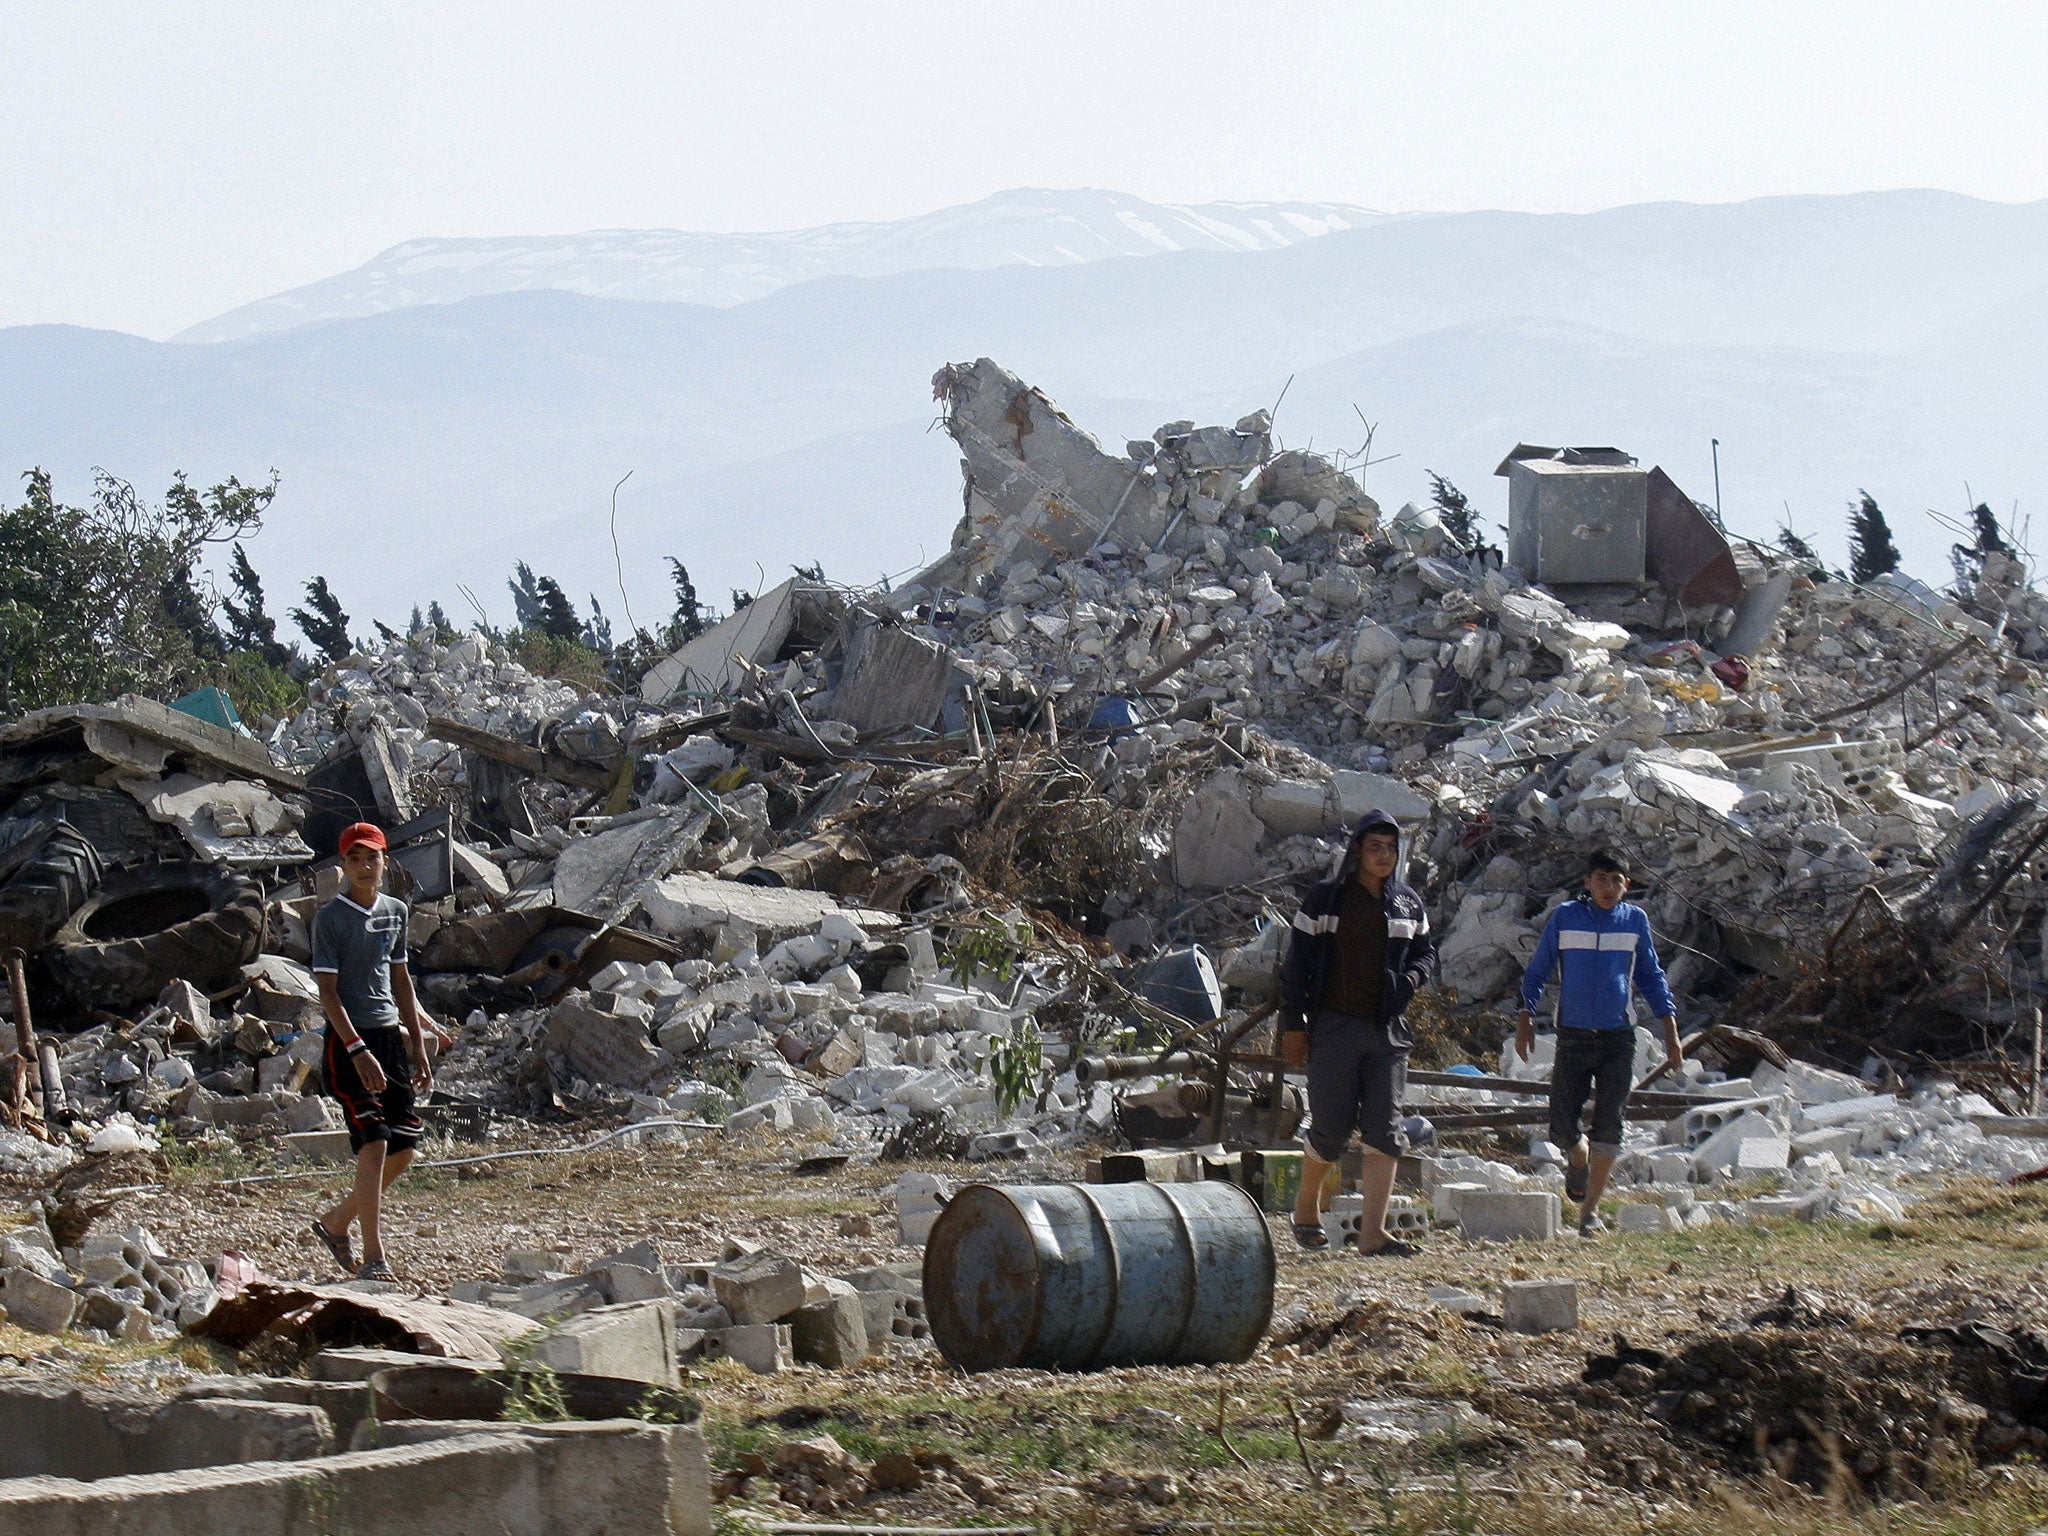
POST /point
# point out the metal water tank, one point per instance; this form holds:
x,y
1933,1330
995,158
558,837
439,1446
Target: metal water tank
x,y
1081,1276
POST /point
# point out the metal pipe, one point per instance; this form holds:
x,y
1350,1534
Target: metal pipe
x,y
26,1067
56,1108
1112,1069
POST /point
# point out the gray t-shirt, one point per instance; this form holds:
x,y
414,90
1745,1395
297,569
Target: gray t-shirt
x,y
357,946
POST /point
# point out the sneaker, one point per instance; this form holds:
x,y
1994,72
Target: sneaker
x,y
375,1269
1590,1225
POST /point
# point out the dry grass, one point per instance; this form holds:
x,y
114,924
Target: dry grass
x,y
1045,1441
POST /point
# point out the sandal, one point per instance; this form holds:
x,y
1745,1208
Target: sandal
x,y
375,1269
340,1247
1392,1248
1311,1236
1575,1181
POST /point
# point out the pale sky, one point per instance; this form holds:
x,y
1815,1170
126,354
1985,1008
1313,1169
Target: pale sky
x,y
162,163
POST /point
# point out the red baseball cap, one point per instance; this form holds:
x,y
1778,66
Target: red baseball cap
x,y
362,832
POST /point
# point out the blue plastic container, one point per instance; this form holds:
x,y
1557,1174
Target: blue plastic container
x,y
1075,1277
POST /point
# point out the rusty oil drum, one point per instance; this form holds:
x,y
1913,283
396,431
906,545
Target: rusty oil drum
x,y
1079,1276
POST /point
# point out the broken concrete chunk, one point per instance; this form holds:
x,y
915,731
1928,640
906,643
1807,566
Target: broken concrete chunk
x,y
695,904
636,1340
1216,838
37,1304
1540,1306
606,1039
761,1287
831,1333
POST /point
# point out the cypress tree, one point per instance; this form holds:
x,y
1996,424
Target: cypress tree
x,y
323,622
1871,551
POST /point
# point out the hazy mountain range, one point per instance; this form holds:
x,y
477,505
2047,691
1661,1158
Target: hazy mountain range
x,y
455,406
1021,228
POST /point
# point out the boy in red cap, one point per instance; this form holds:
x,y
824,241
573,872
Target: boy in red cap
x,y
376,1055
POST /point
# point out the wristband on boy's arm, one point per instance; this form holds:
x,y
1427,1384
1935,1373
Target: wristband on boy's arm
x,y
358,1046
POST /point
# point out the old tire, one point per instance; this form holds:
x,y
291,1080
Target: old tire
x,y
51,880
156,924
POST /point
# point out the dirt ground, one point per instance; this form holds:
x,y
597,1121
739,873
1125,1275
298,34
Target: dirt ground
x,y
1732,1408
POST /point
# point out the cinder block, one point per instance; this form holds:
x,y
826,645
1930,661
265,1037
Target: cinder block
x,y
763,1348
1670,1165
636,1340
760,1287
832,1333
1449,1197
1717,1150
1540,1306
1647,1218
1763,1154
1520,1217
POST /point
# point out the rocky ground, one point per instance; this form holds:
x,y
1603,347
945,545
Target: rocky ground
x,y
1369,1406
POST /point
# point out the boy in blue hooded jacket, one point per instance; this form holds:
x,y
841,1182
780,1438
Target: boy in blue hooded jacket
x,y
1599,945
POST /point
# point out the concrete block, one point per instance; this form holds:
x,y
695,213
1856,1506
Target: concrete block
x,y
632,1282
315,1112
1840,1141
39,1305
1352,794
566,1297
1763,1154
763,1348
1405,1218
1696,1126
1520,1217
1647,1218
1718,1150
607,1478
1778,1207
635,1340
318,1147
1670,1165
215,1432
761,1287
1448,1197
525,1265
1540,1306
1816,1117
832,1333
1292,807
360,1364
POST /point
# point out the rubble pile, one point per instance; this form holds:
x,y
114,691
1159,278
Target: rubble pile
x,y
873,871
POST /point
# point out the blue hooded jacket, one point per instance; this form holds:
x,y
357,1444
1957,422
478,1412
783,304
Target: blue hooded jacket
x,y
1598,954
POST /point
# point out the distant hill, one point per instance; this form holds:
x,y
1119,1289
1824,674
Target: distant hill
x,y
1885,340
1020,228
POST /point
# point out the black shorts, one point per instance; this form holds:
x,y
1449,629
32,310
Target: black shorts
x,y
391,1116
1599,1062
1357,1072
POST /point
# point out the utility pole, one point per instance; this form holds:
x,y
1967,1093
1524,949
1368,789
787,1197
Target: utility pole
x,y
1717,481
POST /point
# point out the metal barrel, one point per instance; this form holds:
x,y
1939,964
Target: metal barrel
x,y
1079,1276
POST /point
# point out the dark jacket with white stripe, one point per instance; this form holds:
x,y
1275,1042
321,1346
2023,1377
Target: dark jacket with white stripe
x,y
1411,951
